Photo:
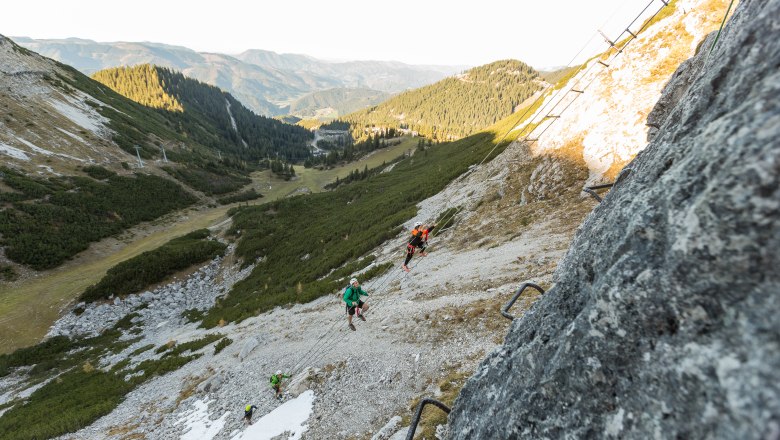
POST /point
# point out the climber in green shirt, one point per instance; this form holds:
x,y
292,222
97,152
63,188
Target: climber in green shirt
x,y
352,297
276,383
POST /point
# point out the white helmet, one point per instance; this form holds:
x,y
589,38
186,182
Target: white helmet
x,y
353,281
278,372
416,224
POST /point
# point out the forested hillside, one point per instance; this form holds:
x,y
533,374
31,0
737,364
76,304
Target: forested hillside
x,y
455,107
58,122
46,221
141,84
210,116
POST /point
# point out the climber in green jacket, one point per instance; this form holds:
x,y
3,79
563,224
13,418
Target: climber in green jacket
x,y
354,304
276,382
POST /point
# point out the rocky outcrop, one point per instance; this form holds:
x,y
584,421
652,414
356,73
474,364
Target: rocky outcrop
x,y
663,322
606,124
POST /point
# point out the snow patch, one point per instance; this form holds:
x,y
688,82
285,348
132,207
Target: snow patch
x,y
289,417
46,152
13,152
28,391
48,169
76,137
83,117
232,121
198,426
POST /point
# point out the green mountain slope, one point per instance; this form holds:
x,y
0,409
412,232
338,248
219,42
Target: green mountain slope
x,y
209,115
456,106
54,203
351,221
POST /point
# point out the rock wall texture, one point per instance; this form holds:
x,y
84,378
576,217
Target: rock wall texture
x,y
664,321
607,123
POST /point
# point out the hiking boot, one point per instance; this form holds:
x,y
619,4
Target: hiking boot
x,y
352,327
363,318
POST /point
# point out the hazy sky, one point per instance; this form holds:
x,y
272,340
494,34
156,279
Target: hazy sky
x,y
541,32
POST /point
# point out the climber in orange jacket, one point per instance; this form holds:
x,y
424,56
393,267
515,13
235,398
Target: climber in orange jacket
x,y
419,240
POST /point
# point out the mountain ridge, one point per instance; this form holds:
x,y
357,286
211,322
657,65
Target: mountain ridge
x,y
456,106
265,88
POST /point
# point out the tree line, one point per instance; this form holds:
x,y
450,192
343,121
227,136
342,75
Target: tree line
x,y
47,221
454,107
208,115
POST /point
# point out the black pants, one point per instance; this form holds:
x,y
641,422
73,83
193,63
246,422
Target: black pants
x,y
410,252
351,309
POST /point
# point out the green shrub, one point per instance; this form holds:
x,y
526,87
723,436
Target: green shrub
x,y
7,272
79,397
193,346
214,180
240,197
224,342
126,322
142,349
158,367
376,271
69,213
192,315
98,172
445,219
66,404
137,273
52,348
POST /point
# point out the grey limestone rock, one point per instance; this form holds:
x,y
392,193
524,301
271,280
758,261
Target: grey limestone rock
x,y
247,348
664,321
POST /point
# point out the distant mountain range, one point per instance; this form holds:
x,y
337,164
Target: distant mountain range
x,y
265,81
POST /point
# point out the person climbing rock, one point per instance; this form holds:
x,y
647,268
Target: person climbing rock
x,y
419,240
248,410
354,304
276,382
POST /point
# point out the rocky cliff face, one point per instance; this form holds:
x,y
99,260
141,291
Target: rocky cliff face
x,y
606,125
663,322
